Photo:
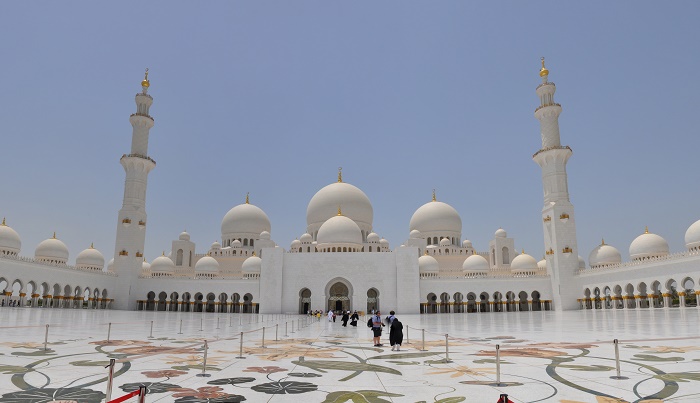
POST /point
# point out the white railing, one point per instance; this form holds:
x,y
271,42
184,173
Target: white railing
x,y
58,265
637,263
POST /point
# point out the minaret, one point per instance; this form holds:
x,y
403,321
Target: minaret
x,y
558,213
131,223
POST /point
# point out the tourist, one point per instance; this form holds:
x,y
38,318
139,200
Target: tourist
x,y
331,316
390,318
346,317
354,318
395,334
377,329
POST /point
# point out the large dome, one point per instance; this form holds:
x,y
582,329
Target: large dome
x,y
475,264
207,264
428,264
436,216
252,265
90,258
648,245
52,250
353,201
9,240
163,264
339,229
244,219
523,263
604,255
692,235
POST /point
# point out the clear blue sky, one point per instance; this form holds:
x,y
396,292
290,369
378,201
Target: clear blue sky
x,y
271,97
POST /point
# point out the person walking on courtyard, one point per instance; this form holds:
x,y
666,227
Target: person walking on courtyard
x,y
330,316
345,318
354,318
395,334
377,328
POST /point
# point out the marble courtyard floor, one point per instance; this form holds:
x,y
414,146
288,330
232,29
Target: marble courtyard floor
x,y
545,357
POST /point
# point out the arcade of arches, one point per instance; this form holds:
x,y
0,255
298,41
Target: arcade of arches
x,y
44,295
484,302
657,294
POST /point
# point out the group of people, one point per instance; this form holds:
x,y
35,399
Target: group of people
x,y
395,330
11,303
345,318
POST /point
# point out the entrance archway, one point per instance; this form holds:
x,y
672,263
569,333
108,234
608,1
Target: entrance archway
x,y
372,300
338,292
304,301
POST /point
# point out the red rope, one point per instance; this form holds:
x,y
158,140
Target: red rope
x,y
125,397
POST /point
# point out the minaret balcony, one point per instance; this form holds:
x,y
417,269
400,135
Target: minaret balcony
x,y
552,148
145,157
539,107
146,116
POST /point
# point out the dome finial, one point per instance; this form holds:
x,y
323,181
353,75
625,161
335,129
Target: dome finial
x,y
253,253
3,222
339,211
92,245
163,253
340,174
434,198
602,241
145,83
523,251
247,198
54,235
543,71
426,253
646,229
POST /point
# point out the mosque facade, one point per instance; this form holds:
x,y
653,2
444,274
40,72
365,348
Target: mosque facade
x,y
340,263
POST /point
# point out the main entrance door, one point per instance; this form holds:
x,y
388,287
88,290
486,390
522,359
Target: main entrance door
x,y
339,297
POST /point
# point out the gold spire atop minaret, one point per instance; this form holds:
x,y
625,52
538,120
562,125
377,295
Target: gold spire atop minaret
x,y
543,71
434,198
247,198
145,83
163,253
340,174
646,229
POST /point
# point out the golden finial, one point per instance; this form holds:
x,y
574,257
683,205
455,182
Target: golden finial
x,y
54,235
339,212
434,198
602,241
145,83
3,222
523,251
144,259
340,174
646,229
543,72
92,245
253,253
247,198
163,253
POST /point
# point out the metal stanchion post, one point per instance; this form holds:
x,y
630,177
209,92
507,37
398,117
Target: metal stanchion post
x,y
292,326
150,336
447,349
180,327
240,351
276,331
142,394
110,378
109,330
617,361
46,337
217,322
230,321
204,361
423,335
498,365
201,324
285,330
408,341
263,338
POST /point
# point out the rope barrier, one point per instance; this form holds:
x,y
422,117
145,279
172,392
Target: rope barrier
x,y
126,397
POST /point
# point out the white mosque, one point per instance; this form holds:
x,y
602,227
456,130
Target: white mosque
x,y
338,262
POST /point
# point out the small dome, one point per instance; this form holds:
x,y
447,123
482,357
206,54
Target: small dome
x,y
475,264
384,242
216,245
145,266
372,237
163,264
415,234
542,265
236,243
252,265
10,242
110,265
467,244
244,219
581,263
306,238
52,250
265,235
207,264
523,263
90,258
428,264
296,243
184,236
339,229
501,233
648,245
445,242
604,255
436,216
692,235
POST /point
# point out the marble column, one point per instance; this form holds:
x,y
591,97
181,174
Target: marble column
x,y
681,299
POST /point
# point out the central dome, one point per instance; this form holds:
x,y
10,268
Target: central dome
x,y
244,219
339,229
325,204
436,216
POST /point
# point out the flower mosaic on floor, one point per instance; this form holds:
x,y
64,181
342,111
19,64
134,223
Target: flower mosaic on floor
x,y
328,363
